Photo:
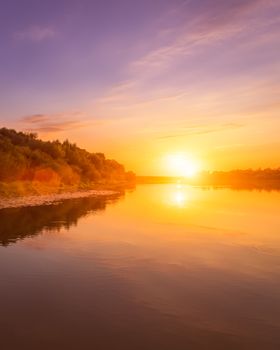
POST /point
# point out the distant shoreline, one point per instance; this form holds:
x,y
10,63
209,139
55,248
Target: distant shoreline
x,y
267,180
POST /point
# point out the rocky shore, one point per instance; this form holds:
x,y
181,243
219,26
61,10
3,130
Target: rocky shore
x,y
49,199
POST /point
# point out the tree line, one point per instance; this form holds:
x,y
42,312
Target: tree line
x,y
24,157
243,178
267,178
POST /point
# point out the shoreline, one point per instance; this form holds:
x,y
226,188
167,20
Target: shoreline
x,y
51,199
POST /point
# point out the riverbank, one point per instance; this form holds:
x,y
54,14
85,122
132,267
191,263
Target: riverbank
x,y
24,194
31,201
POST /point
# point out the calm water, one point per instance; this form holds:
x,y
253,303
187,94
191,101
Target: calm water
x,y
163,267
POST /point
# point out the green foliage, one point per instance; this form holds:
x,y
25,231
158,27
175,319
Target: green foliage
x,y
24,157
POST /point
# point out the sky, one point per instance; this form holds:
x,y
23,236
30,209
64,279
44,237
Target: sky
x,y
140,80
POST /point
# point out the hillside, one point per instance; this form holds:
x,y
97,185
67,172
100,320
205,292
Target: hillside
x,y
25,158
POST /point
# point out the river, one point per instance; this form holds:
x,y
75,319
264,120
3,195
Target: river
x,y
162,267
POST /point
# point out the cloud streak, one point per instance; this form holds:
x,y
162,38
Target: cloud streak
x,y
54,123
201,130
35,34
211,24
205,26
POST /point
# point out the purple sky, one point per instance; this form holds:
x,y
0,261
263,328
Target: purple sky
x,y
195,76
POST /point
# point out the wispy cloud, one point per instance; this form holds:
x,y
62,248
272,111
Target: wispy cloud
x,y
54,123
210,25
200,130
36,33
200,27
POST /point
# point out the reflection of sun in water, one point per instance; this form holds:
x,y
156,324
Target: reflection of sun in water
x,y
178,195
181,165
179,198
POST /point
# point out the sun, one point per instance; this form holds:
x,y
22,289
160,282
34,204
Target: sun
x,y
182,165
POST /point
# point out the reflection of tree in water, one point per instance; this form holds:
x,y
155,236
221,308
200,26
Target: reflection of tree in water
x,y
23,222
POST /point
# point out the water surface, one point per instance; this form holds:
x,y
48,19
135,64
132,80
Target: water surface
x,y
163,267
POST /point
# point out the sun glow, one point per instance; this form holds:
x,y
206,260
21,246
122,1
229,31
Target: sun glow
x,y
182,165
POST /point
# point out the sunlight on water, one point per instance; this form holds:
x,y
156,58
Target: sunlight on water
x,y
180,199
170,265
178,196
